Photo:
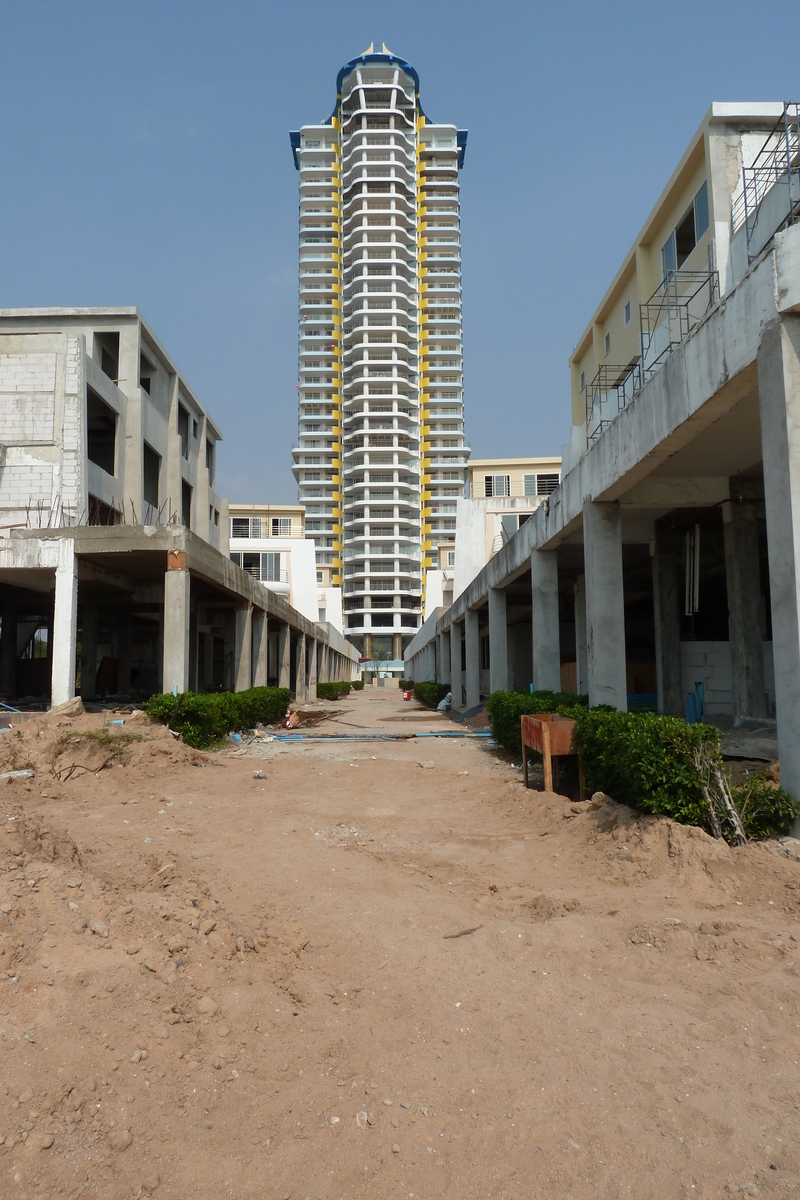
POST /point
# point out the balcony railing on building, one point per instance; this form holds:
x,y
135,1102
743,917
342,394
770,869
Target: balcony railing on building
x,y
679,303
769,198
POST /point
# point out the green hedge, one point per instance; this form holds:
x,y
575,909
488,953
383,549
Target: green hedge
x,y
204,720
334,689
406,685
649,763
430,694
358,685
506,708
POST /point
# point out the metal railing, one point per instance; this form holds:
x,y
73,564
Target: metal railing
x,y
679,302
777,164
614,386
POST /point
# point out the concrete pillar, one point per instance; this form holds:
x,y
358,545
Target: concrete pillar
x,y
312,669
89,649
243,649
300,669
8,651
667,615
546,632
498,641
581,649
779,398
443,673
124,654
65,625
472,648
260,645
284,657
176,623
456,686
605,604
740,530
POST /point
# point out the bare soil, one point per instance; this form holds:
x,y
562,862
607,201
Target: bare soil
x,y
378,969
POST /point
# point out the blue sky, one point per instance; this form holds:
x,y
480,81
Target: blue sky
x,y
144,159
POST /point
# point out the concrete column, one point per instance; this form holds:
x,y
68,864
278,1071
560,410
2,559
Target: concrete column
x,y
581,650
124,654
243,649
779,398
260,644
176,624
300,669
498,641
667,614
546,639
312,669
8,651
472,647
443,673
605,604
89,649
456,686
740,529
65,625
284,657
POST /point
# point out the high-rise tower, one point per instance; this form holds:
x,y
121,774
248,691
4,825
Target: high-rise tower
x,y
380,458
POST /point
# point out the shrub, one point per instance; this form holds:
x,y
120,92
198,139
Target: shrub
x,y
328,691
344,688
204,720
653,763
766,810
358,685
506,708
406,685
430,694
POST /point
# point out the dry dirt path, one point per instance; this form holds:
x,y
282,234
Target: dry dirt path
x,y
380,970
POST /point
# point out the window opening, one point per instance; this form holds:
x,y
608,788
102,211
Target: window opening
x,y
101,432
151,464
183,430
186,504
108,345
497,485
210,461
627,312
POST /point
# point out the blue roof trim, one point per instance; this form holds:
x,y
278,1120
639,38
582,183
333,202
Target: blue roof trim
x,y
294,138
461,142
376,58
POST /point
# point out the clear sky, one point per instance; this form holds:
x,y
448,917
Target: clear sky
x,y
144,159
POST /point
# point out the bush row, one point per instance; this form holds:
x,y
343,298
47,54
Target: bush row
x,y
334,689
662,765
430,694
204,720
506,708
358,685
652,763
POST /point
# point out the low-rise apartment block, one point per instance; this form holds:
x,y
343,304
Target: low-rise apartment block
x,y
114,537
268,542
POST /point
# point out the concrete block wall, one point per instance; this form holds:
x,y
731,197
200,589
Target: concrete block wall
x,y
41,431
711,663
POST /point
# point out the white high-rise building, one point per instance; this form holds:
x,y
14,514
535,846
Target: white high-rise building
x,y
380,459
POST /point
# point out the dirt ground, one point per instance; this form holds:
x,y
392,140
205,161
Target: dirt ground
x,y
378,969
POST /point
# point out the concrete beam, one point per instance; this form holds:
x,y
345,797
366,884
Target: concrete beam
x,y
472,646
605,605
456,686
740,530
498,641
443,659
300,670
312,669
176,629
667,616
260,647
779,398
546,637
581,642
243,649
65,625
668,492
284,657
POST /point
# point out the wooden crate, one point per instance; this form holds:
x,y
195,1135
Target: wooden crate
x,y
551,736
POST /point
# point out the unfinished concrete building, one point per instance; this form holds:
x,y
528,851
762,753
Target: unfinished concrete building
x,y
667,564
114,538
